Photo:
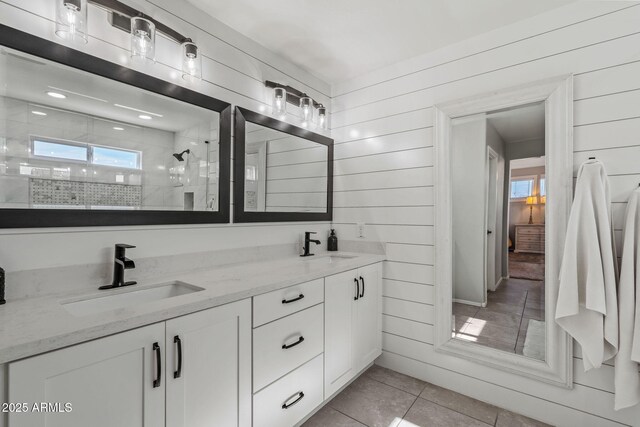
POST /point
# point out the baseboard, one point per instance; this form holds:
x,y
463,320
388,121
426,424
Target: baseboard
x,y
476,304
502,279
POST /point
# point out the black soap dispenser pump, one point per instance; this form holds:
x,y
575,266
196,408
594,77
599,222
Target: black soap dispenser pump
x,y
332,244
2,300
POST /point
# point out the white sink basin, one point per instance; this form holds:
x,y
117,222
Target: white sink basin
x,y
127,297
327,259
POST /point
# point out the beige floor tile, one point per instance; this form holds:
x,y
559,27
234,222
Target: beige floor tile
x,y
396,379
327,416
510,419
461,403
426,414
373,403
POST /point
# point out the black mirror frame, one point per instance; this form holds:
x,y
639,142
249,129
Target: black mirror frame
x,y
242,116
32,218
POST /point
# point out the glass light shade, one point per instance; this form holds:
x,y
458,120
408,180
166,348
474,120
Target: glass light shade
x,y
279,105
143,39
532,200
71,20
306,107
322,117
191,61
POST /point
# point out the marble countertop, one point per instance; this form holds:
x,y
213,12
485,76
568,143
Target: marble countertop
x,y
36,325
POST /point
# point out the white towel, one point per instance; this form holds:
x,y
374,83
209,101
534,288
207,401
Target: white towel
x,y
627,378
587,302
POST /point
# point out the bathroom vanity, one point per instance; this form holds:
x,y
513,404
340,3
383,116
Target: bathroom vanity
x,y
262,344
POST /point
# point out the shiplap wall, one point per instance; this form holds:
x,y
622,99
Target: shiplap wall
x,y
382,124
234,68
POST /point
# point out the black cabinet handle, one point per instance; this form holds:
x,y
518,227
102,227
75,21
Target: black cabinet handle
x,y
298,298
156,348
287,406
178,342
357,289
362,293
285,346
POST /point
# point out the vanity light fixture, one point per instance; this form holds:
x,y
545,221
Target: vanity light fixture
x,y
56,95
71,20
322,117
191,61
279,106
143,39
71,24
283,94
306,107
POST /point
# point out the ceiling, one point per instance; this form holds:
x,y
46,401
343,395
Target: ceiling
x,y
29,78
519,124
340,39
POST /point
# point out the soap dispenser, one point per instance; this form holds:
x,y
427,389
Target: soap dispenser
x,y
332,244
2,300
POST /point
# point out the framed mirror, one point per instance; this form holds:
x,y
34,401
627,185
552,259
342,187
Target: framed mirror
x,y
86,142
503,196
281,172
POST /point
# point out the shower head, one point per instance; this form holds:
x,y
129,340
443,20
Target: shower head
x,y
179,156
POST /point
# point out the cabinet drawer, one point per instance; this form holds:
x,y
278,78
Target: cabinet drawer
x,y
525,230
271,360
283,302
304,385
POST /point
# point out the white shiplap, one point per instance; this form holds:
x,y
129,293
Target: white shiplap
x,y
386,117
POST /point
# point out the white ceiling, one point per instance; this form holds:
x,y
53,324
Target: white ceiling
x,y
29,78
519,124
341,39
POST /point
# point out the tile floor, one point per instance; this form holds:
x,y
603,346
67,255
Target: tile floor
x,y
381,397
504,322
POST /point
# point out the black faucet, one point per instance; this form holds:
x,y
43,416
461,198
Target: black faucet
x,y
121,263
307,240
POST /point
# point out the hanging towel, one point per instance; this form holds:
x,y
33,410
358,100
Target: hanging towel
x,y
627,378
587,305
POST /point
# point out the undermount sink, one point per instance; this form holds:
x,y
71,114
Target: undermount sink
x,y
128,298
327,259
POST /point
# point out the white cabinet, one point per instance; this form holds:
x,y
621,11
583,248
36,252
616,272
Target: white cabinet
x,y
211,384
124,379
353,324
109,382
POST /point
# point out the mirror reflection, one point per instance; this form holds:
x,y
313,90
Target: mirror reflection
x,y
498,204
73,140
283,173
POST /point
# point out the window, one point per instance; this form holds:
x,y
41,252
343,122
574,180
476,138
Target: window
x,y
522,187
86,153
105,156
60,150
543,188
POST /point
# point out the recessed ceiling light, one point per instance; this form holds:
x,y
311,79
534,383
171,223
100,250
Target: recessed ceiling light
x,y
117,128
144,117
39,113
56,95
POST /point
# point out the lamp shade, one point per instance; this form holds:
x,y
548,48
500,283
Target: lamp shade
x,y
143,39
71,20
543,200
532,200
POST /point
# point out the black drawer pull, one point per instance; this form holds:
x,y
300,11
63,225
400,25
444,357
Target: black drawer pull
x,y
287,406
178,342
156,349
362,293
285,346
298,298
357,289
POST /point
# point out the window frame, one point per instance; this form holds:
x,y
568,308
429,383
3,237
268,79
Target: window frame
x,y
523,178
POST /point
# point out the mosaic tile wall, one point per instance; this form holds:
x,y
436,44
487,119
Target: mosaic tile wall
x,y
78,193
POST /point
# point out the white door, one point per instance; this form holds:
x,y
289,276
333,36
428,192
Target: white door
x,y
491,214
212,384
111,381
340,292
368,325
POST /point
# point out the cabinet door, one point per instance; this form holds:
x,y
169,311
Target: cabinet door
x,y
368,323
339,315
213,386
109,382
